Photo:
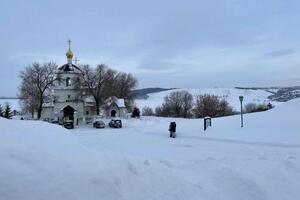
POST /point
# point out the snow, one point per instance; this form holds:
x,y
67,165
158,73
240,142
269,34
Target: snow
x,y
44,161
121,103
89,99
230,94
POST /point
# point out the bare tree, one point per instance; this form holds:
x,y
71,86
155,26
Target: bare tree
x,y
187,103
162,111
36,82
147,111
97,83
176,104
124,85
104,82
29,104
213,106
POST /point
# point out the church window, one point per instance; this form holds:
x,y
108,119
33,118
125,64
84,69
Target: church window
x,y
68,81
87,112
69,96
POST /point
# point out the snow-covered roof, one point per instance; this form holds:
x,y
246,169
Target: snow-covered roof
x,y
69,67
119,102
48,104
89,99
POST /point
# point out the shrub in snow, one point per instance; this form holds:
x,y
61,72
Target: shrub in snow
x,y
135,113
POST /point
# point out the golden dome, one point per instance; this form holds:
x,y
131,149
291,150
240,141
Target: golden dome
x,y
69,53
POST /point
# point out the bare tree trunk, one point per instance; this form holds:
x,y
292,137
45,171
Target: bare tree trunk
x,y
97,108
32,113
40,108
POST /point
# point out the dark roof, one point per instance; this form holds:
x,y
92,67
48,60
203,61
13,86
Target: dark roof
x,y
69,67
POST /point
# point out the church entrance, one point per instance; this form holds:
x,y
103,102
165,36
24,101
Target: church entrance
x,y
113,113
69,112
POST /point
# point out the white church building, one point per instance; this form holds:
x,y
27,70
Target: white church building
x,y
64,102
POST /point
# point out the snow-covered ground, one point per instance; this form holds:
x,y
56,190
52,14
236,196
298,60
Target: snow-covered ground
x,y
260,161
230,94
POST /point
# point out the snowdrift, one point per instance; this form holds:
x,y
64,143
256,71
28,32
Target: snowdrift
x,y
260,161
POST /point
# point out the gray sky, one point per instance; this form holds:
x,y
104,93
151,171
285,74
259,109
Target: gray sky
x,y
166,43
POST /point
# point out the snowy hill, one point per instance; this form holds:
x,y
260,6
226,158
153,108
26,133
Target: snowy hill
x,y
143,93
260,161
230,94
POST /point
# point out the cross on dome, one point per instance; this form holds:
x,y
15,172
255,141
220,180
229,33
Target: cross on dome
x,y
69,41
69,53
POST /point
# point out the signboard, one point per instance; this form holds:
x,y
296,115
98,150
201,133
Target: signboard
x,y
207,122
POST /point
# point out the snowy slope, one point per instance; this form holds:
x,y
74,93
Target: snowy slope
x,y
230,94
260,161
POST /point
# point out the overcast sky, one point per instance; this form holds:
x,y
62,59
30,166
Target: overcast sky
x,y
165,43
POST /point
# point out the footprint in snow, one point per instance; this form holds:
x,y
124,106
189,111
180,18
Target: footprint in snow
x,y
165,163
290,157
146,162
132,169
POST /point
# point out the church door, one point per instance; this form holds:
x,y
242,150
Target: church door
x,y
113,113
69,112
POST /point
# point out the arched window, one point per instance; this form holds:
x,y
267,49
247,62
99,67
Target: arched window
x,y
68,81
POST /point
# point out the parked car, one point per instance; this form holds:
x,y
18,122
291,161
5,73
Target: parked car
x,y
68,124
115,123
98,124
55,122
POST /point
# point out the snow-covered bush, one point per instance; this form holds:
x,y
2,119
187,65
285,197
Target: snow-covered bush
x,y
135,113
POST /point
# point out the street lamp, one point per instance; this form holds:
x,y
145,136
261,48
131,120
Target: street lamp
x,y
241,100
75,118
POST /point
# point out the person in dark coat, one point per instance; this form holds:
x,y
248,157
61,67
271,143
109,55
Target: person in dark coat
x,y
172,129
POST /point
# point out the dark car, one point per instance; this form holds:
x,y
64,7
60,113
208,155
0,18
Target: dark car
x,y
98,124
115,123
68,124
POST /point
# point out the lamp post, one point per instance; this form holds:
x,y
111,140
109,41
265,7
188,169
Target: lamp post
x,y
242,120
75,118
56,116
